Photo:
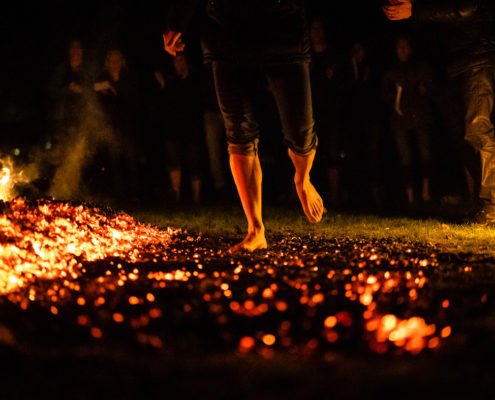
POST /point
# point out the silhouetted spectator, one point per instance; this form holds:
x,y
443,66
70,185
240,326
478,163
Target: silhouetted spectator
x,y
361,119
180,121
117,92
407,90
467,29
80,116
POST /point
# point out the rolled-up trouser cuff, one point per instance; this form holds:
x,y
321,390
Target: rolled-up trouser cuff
x,y
244,149
304,151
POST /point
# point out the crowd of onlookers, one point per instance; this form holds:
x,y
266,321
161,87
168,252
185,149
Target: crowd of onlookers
x,y
377,128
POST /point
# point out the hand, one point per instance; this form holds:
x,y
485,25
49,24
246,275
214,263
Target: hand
x,y
160,79
75,88
397,10
104,86
172,42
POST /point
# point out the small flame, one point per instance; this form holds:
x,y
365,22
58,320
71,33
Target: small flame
x,y
9,179
5,181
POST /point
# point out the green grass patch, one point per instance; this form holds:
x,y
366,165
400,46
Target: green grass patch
x,y
230,222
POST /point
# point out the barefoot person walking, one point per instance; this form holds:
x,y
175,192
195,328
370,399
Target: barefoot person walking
x,y
243,39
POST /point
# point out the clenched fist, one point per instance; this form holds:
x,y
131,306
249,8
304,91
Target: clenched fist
x,y
397,10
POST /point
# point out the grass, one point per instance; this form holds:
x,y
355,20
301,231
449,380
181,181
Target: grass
x,y
230,222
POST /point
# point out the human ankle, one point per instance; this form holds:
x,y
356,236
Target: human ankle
x,y
258,230
301,180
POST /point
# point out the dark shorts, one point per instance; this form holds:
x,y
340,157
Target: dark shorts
x,y
290,85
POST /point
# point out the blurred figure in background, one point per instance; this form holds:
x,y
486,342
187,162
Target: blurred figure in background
x,y
79,116
361,126
467,30
180,122
117,93
407,90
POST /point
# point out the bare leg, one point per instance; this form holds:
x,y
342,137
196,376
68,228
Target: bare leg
x,y
247,174
410,195
310,199
196,190
175,182
426,190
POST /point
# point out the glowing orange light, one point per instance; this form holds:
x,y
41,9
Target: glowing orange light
x,y
150,297
83,320
330,322
97,333
433,343
332,336
246,344
446,332
117,317
269,340
133,300
155,313
281,306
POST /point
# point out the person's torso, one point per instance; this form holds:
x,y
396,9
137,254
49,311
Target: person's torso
x,y
256,29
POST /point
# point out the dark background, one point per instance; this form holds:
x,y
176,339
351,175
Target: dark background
x,y
34,39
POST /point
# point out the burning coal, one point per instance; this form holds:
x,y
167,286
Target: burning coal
x,y
312,295
49,240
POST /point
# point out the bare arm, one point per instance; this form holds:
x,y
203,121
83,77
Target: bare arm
x,y
439,11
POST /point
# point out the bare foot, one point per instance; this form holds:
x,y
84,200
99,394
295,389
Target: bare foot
x,y
311,202
252,242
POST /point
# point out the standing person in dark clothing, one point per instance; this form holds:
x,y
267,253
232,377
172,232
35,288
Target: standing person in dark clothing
x,y
407,91
360,124
71,86
243,38
469,27
117,94
180,122
79,115
324,87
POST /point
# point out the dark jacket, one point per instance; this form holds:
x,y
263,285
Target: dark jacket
x,y
415,101
120,104
468,28
247,30
68,106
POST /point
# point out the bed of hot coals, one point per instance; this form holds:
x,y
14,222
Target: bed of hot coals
x,y
75,274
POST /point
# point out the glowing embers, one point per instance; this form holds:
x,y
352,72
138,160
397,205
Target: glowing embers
x,y
412,333
50,240
124,284
339,297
